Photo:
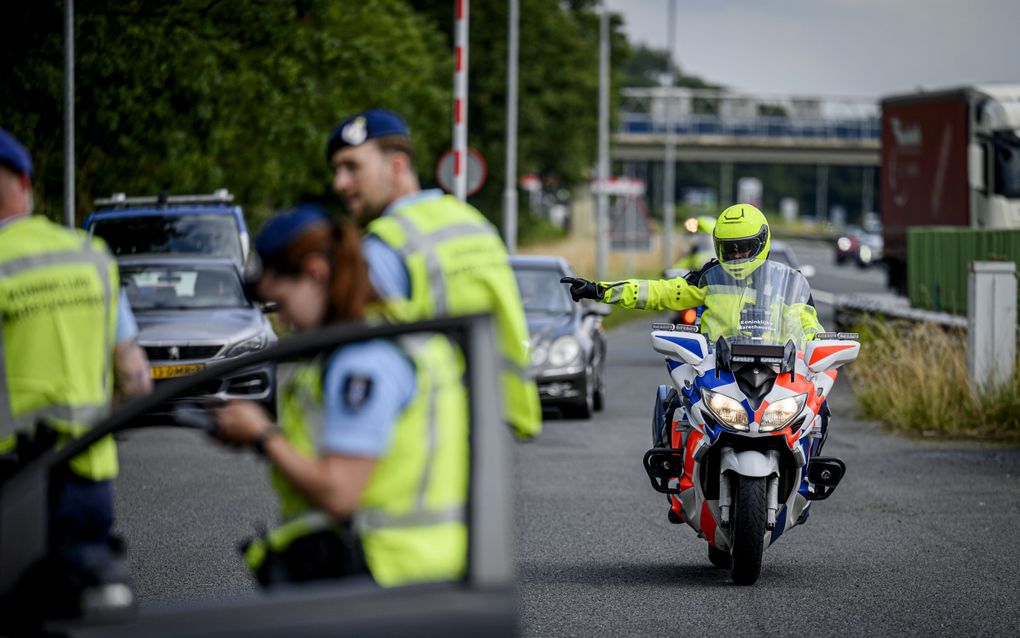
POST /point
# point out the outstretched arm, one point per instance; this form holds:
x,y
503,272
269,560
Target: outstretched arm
x,y
646,294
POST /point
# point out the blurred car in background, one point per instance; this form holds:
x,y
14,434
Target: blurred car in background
x,y
568,343
869,248
204,225
861,245
783,253
192,312
846,244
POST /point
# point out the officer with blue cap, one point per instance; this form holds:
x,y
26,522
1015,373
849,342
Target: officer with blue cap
x,y
57,381
430,254
359,429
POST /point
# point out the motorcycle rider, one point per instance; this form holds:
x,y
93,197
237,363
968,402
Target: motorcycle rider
x,y
742,239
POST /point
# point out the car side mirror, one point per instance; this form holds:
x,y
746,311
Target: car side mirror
x,y
268,307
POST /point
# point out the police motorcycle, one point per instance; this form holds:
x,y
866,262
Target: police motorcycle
x,y
737,434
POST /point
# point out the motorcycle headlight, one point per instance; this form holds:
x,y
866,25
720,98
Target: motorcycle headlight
x,y
563,352
251,344
726,410
538,353
779,414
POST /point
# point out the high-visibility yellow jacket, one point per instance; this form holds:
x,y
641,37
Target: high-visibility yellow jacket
x,y
457,266
411,517
725,299
58,311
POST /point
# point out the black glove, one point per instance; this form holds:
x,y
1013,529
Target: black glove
x,y
583,289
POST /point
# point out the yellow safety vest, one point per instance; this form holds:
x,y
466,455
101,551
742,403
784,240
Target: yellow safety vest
x,y
411,517
723,303
457,266
58,312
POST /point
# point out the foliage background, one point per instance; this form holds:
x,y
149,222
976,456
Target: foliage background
x,y
193,95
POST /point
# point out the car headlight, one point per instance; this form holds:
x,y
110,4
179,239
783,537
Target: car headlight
x,y
251,344
563,352
865,254
726,410
779,414
843,243
538,353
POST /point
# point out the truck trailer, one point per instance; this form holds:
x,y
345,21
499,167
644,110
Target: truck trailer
x,y
949,158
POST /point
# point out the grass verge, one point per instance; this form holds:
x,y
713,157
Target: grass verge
x,y
915,381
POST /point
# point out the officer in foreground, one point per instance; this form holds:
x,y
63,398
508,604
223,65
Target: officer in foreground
x,y
371,457
67,349
429,254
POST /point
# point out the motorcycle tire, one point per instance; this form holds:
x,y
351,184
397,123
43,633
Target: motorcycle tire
x,y
718,557
749,514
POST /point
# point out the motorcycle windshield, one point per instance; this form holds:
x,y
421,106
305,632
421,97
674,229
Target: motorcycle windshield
x,y
764,308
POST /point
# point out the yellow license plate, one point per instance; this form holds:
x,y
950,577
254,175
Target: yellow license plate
x,y
169,372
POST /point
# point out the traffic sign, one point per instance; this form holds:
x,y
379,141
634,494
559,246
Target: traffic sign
x,y
477,171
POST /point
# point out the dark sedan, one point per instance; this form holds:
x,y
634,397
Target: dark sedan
x,y
192,312
568,343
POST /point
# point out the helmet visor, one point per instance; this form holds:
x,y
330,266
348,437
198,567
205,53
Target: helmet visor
x,y
742,249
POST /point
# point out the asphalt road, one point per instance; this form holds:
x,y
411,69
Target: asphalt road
x,y
918,539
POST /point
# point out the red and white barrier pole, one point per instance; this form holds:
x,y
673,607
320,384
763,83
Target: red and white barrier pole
x,y
460,98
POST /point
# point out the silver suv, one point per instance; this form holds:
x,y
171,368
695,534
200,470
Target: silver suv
x,y
192,312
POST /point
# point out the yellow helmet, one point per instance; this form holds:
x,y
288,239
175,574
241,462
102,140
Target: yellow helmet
x,y
742,239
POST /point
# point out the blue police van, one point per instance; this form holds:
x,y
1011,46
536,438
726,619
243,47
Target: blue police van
x,y
207,225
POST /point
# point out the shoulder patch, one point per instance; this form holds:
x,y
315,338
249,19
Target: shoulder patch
x,y
357,389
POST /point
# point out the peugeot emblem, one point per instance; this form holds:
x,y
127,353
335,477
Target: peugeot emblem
x,y
175,353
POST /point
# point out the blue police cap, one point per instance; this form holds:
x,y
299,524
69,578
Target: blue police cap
x,y
281,229
364,126
14,155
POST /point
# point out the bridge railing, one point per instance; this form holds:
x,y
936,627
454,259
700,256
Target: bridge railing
x,y
714,112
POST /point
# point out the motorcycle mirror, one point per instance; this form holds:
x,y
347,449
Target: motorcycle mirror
x,y
790,359
722,356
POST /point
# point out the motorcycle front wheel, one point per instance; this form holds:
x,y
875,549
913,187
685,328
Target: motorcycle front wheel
x,y
749,514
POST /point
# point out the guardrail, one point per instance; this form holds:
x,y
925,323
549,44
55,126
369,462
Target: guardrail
x,y
850,309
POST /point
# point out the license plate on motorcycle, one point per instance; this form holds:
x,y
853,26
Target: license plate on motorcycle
x,y
169,372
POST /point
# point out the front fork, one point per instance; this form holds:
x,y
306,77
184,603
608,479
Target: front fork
x,y
768,463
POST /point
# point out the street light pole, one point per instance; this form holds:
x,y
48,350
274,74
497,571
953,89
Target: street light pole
x,y
669,154
69,113
510,182
601,240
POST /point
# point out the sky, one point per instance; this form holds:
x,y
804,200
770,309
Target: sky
x,y
865,48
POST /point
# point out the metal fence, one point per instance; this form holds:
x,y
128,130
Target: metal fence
x,y
720,113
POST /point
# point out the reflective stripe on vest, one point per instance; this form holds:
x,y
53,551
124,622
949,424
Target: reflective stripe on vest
x,y
426,244
457,264
438,373
75,416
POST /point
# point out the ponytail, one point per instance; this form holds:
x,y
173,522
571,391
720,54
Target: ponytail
x,y
339,242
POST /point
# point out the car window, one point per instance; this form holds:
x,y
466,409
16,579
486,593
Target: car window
x,y
152,287
207,235
542,292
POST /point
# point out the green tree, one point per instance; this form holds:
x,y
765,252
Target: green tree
x,y
193,95
558,90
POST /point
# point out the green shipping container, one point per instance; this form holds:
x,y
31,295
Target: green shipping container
x,y
938,260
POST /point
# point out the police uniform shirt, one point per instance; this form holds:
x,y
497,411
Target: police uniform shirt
x,y
367,386
386,269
